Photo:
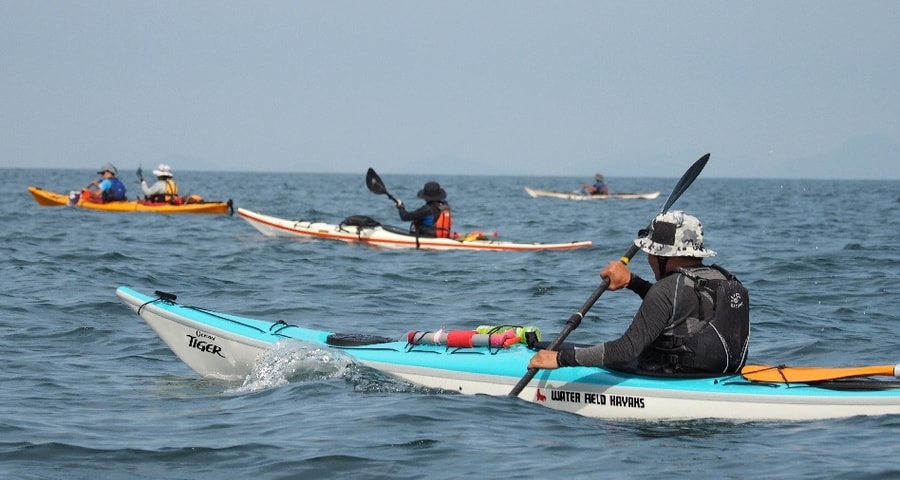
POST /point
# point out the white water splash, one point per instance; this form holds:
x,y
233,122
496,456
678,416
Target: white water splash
x,y
292,361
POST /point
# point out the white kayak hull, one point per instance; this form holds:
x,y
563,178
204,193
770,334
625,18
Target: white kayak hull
x,y
229,346
385,237
535,193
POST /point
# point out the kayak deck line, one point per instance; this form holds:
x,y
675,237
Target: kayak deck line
x,y
754,373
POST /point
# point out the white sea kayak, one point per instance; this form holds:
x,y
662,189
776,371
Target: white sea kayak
x,y
386,237
229,346
534,193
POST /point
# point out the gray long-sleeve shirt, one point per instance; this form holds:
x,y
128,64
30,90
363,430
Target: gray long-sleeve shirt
x,y
160,188
665,304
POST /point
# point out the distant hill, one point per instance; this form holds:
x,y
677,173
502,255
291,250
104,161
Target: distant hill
x,y
869,157
863,158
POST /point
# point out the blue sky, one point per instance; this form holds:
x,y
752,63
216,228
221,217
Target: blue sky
x,y
798,89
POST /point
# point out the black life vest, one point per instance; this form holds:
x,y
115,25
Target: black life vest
x,y
717,341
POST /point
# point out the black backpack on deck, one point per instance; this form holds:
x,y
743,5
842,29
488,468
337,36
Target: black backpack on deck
x,y
359,221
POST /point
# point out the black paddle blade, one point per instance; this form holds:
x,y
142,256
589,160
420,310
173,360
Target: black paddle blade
x,y
686,180
374,183
140,172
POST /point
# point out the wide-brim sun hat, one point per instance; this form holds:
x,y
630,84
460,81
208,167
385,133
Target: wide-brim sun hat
x,y
432,192
163,170
108,167
674,234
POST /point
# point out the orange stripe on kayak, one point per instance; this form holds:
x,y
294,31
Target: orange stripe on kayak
x,y
768,373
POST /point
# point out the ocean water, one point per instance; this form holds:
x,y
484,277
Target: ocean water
x,y
90,391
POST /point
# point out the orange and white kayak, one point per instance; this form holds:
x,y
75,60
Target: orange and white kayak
x,y
387,237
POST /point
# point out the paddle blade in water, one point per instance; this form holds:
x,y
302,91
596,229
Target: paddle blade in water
x,y
781,374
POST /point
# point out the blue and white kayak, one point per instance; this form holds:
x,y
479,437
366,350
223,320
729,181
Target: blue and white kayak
x,y
230,346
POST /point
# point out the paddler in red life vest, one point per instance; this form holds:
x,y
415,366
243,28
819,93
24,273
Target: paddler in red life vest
x,y
432,219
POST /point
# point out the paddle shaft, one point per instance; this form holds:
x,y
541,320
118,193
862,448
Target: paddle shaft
x,y
571,324
390,196
575,320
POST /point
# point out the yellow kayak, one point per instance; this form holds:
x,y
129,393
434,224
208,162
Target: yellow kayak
x,y
46,198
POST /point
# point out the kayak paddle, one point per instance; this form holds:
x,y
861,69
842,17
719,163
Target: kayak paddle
x,y
376,186
781,373
575,320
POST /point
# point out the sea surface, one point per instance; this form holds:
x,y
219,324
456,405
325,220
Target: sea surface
x,y
89,390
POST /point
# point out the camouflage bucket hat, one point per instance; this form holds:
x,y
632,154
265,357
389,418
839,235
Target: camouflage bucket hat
x,y
674,234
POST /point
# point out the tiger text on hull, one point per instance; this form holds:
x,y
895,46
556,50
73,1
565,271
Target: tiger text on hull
x,y
204,345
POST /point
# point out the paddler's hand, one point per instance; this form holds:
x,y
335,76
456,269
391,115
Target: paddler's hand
x,y
617,273
544,360
399,203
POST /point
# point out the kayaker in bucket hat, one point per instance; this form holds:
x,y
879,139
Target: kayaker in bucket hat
x,y
431,192
164,190
674,234
432,219
694,319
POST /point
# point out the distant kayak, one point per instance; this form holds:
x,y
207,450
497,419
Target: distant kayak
x,y
373,234
46,198
534,193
